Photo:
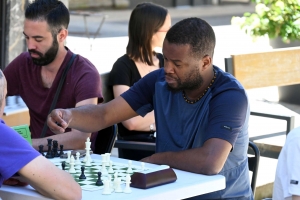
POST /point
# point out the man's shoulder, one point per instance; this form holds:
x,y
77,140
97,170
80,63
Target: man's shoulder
x,y
226,81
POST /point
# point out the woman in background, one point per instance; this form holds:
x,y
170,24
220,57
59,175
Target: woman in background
x,y
148,26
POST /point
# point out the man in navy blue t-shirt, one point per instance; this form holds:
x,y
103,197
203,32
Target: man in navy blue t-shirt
x,y
201,112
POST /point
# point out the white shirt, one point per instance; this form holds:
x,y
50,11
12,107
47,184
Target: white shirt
x,y
287,179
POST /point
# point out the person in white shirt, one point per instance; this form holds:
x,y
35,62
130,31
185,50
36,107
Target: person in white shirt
x,y
287,179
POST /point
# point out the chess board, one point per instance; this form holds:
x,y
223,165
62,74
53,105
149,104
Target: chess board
x,y
91,172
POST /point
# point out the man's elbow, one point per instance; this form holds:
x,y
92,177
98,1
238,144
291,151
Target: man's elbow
x,y
129,125
210,170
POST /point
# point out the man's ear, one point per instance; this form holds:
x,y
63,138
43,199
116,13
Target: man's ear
x,y
62,35
207,61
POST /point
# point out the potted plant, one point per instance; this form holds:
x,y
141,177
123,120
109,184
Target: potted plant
x,y
279,19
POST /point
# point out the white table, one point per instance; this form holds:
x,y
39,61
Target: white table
x,y
187,185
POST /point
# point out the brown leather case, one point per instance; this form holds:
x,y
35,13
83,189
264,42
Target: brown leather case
x,y
153,179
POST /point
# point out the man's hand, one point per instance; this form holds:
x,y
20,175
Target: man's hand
x,y
58,120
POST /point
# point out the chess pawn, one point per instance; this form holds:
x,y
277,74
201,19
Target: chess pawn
x,y
104,170
111,184
115,179
69,157
99,181
110,170
127,189
72,163
77,161
106,189
142,166
129,169
118,188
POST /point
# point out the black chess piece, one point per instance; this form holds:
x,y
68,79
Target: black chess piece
x,y
49,152
61,152
82,176
99,181
41,150
63,165
55,149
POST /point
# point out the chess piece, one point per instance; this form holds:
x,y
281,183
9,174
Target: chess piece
x,y
99,181
77,161
110,169
142,166
41,150
88,161
61,152
104,170
107,159
69,157
87,149
127,189
49,152
82,176
129,169
55,149
103,161
72,163
106,188
63,165
118,188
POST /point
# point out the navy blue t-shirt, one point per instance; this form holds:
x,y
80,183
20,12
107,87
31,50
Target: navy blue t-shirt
x,y
222,113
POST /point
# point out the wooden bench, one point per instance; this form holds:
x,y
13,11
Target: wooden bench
x,y
278,67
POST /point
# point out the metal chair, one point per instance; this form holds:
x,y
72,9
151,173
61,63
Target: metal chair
x,y
253,163
105,140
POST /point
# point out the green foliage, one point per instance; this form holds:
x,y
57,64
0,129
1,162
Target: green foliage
x,y
276,18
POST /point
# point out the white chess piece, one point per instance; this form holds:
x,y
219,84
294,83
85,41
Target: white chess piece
x,y
115,179
72,163
118,187
87,149
106,189
77,161
111,184
107,159
88,161
110,169
103,161
129,170
142,166
104,170
69,157
127,189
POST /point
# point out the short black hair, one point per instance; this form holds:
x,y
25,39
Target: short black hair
x,y
54,12
195,32
145,20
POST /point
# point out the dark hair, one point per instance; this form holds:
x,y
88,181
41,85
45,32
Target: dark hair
x,y
54,12
195,32
145,20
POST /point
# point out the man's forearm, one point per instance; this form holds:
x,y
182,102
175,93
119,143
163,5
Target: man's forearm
x,y
70,140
